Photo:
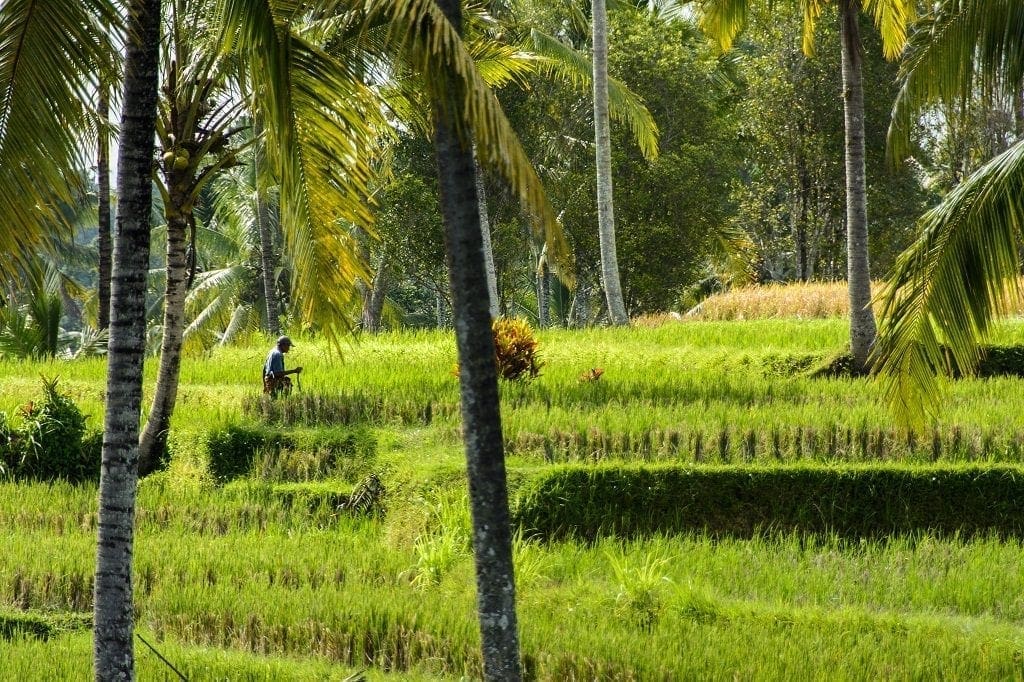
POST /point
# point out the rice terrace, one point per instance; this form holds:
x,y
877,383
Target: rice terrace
x,y
330,350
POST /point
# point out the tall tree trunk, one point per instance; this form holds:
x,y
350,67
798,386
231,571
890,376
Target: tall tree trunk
x,y
103,183
113,653
802,267
862,319
264,217
478,380
373,302
543,292
1018,114
602,140
440,310
485,234
153,443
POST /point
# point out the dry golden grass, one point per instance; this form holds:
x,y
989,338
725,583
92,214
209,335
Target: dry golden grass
x,y
795,300
800,300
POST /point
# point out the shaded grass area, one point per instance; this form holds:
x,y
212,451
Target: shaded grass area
x,y
69,657
40,625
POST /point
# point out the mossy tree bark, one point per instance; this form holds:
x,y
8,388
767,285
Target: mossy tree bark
x,y
481,419
113,652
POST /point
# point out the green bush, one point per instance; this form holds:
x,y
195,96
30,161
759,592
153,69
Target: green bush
x,y
849,501
289,454
996,361
233,449
49,444
1001,361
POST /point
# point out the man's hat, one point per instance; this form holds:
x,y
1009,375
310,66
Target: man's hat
x,y
284,340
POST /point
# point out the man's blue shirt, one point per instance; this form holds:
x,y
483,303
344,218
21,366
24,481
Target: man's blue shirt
x,y
274,363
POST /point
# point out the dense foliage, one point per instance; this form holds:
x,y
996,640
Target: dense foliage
x,y
50,442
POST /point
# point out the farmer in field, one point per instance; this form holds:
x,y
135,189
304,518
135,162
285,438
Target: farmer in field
x,y
275,376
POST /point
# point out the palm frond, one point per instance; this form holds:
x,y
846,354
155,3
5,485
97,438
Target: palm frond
x,y
215,313
723,20
244,319
892,17
434,49
560,60
950,285
51,54
959,48
322,126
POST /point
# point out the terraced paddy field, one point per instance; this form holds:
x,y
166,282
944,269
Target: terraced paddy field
x,y
706,509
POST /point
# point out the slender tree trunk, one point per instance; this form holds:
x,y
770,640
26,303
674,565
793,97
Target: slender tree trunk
x,y
481,418
603,143
373,303
579,309
113,653
543,294
1018,114
485,234
439,310
264,214
802,267
264,217
103,183
862,319
153,443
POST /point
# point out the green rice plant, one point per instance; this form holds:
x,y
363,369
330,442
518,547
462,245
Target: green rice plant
x,y
435,557
528,558
640,583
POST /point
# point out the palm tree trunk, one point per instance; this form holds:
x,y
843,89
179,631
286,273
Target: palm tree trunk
x,y
602,140
153,443
862,319
264,217
543,294
103,184
485,234
113,653
478,380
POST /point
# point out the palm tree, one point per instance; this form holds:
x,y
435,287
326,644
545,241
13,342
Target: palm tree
x,y
266,219
478,379
112,616
457,92
103,191
948,288
603,144
222,302
195,126
723,19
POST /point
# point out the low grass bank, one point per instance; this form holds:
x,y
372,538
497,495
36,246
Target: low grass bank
x,y
851,502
